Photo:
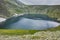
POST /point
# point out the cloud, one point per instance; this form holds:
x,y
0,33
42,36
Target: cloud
x,y
41,2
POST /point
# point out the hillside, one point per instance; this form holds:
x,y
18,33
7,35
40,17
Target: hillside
x,y
14,6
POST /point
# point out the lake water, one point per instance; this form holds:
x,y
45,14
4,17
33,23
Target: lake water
x,y
31,24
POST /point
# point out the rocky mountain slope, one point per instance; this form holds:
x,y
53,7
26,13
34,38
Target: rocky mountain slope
x,y
14,6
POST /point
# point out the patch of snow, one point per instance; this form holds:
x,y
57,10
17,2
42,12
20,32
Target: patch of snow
x,y
2,19
15,14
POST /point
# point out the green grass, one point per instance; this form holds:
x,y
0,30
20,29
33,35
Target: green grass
x,y
17,32
35,37
24,32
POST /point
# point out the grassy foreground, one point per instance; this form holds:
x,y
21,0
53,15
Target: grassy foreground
x,y
49,34
24,32
16,32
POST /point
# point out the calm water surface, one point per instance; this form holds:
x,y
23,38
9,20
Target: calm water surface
x,y
26,23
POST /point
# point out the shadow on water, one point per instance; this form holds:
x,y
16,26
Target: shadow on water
x,y
30,22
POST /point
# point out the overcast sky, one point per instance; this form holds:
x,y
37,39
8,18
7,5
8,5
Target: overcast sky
x,y
41,2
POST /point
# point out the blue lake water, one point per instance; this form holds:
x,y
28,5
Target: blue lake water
x,y
31,24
